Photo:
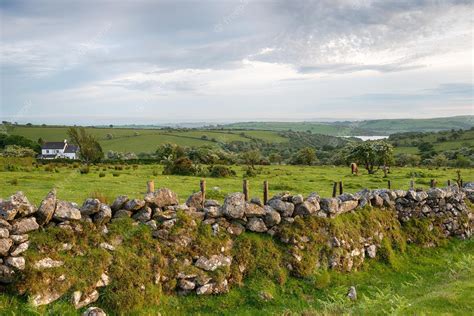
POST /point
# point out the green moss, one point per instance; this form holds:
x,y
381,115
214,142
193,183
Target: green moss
x,y
424,231
258,254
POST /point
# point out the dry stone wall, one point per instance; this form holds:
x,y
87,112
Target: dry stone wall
x,y
159,210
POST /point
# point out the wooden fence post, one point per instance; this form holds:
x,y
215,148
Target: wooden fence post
x,y
341,188
433,183
245,189
334,189
412,184
265,192
150,186
389,184
449,182
202,186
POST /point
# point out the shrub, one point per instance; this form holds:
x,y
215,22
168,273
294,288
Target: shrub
x,y
101,175
250,172
155,173
14,181
115,174
181,166
11,167
84,169
221,172
49,168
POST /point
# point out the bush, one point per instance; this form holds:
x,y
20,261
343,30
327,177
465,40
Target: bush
x,y
181,166
49,168
13,181
221,172
155,173
115,174
84,169
101,175
11,167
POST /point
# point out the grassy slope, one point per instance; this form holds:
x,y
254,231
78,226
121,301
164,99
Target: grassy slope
x,y
147,140
412,125
427,282
298,179
466,140
372,127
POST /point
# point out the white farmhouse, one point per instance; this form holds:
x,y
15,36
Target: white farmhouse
x,y
55,150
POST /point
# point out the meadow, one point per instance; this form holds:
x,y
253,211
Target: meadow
x,y
147,140
131,180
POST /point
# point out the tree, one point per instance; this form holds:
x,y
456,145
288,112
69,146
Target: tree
x,y
251,158
440,160
89,148
404,159
371,154
426,150
275,158
18,151
305,156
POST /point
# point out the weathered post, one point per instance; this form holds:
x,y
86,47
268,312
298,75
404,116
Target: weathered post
x,y
433,183
150,186
389,184
412,184
334,189
202,186
341,188
449,182
245,189
265,192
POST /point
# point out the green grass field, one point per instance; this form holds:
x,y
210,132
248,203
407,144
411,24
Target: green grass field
x,y
361,128
73,186
148,140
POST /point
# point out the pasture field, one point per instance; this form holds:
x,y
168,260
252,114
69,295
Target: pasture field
x,y
147,140
73,186
360,128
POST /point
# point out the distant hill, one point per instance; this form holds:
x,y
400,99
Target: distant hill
x,y
364,128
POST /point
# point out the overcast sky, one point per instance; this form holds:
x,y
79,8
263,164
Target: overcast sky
x,y
96,62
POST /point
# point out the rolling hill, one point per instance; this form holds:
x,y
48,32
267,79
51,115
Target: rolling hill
x,y
367,127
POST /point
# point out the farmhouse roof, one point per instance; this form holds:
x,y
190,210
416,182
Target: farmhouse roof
x,y
53,145
70,149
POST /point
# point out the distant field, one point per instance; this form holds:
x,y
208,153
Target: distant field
x,y
73,186
465,140
362,128
148,140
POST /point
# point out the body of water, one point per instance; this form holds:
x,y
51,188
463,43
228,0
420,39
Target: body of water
x,y
364,138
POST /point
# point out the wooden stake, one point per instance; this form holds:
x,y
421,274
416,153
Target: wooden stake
x,y
433,183
449,182
150,186
202,185
245,189
341,188
389,184
334,189
265,192
412,184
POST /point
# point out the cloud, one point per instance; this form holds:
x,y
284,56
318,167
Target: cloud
x,y
287,50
